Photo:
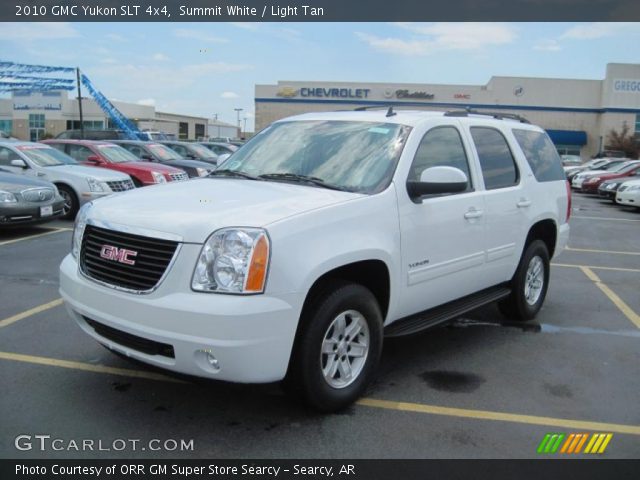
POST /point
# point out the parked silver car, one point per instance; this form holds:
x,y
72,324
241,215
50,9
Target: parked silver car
x,y
76,183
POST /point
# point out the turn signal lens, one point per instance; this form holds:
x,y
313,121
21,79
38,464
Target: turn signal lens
x,y
258,266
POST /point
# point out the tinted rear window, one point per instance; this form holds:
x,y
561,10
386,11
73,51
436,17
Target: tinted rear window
x,y
541,154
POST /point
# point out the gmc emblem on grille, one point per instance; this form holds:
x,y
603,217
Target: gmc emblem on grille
x,y
121,255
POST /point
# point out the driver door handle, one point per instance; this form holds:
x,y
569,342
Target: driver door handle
x,y
524,203
473,213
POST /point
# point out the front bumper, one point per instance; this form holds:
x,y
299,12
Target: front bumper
x,y
250,336
631,198
22,213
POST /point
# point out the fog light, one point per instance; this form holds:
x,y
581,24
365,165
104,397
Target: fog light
x,y
207,360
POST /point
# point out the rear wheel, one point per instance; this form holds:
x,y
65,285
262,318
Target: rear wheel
x,y
71,204
338,348
529,284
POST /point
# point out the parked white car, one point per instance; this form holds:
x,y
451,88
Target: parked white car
x,y
629,194
76,183
321,235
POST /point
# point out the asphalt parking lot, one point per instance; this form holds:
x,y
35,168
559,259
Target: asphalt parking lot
x,y
480,388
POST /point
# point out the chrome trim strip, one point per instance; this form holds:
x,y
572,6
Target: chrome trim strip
x,y
145,232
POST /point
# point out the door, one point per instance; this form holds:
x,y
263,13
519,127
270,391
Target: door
x,y
442,235
506,202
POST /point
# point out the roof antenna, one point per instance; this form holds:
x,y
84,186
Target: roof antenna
x,y
390,112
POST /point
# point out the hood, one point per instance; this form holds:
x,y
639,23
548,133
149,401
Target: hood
x,y
630,183
195,209
590,173
82,171
16,183
147,167
183,162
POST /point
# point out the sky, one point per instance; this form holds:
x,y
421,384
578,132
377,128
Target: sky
x,y
211,68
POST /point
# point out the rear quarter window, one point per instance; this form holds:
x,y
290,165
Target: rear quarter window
x,y
541,155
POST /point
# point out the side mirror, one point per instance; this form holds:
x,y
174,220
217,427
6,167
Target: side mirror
x,y
438,180
19,163
94,159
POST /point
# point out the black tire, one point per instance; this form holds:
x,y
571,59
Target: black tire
x,y
71,203
516,306
306,377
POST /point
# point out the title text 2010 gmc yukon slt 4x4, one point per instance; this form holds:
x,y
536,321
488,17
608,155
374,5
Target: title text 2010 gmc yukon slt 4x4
x,y
321,235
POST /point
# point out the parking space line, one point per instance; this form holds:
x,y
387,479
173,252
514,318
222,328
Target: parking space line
x,y
29,237
617,301
28,313
367,402
605,218
499,416
87,367
617,269
590,250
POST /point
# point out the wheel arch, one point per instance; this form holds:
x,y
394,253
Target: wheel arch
x,y
545,230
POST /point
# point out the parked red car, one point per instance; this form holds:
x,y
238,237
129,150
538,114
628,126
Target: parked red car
x,y
109,155
627,169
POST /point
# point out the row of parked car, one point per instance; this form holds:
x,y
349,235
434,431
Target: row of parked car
x,y
615,179
54,178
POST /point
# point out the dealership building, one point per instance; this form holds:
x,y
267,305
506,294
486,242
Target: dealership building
x,y
577,114
31,115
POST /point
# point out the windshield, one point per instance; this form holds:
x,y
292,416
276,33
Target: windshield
x,y
627,167
47,156
199,150
354,156
163,153
116,154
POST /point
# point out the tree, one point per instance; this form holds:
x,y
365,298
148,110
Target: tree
x,y
624,140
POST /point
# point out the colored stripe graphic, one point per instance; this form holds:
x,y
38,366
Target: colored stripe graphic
x,y
550,443
572,443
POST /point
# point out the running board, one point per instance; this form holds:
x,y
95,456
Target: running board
x,y
443,313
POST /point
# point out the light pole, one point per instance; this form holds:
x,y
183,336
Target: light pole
x,y
238,110
244,129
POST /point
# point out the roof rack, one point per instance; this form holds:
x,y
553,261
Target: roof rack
x,y
498,115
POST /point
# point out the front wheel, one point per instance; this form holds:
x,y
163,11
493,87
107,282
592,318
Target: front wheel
x,y
529,284
338,347
71,204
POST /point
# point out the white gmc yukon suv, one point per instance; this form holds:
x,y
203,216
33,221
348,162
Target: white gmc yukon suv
x,y
319,237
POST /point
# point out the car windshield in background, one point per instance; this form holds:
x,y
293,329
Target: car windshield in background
x,y
627,167
163,153
46,156
353,156
200,150
117,154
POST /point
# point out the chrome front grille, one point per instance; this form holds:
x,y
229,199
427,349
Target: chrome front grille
x,y
124,260
121,185
37,194
179,177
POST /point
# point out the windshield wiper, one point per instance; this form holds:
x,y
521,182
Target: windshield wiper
x,y
226,172
302,178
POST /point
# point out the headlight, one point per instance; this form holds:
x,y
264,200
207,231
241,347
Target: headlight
x,y
593,180
95,185
202,172
233,260
7,197
78,229
158,177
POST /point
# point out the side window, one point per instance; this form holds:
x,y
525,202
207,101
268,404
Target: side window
x,y
6,155
541,155
440,146
498,166
137,151
58,146
79,152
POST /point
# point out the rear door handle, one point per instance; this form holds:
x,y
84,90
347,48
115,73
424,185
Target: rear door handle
x,y
524,203
473,213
